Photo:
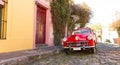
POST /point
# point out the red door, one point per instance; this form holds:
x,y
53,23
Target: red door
x,y
40,25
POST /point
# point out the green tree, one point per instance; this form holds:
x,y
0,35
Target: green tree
x,y
60,10
83,11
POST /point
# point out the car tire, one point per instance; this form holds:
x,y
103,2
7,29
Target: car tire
x,y
67,51
93,50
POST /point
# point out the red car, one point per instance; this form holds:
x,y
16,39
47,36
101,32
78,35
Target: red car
x,y
81,39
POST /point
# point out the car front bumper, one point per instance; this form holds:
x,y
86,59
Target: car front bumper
x,y
79,48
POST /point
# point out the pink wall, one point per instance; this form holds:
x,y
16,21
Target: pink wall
x,y
49,28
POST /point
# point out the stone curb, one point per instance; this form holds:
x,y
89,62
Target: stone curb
x,y
28,59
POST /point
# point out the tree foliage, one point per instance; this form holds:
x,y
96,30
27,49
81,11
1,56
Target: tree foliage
x,y
62,13
60,10
83,11
116,26
80,14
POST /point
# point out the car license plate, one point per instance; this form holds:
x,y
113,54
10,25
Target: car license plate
x,y
78,44
77,48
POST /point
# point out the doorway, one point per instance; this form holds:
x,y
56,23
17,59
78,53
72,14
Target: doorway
x,y
40,25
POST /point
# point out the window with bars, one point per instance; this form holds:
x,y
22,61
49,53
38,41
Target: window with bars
x,y
3,18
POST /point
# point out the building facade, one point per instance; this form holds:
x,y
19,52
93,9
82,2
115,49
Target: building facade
x,y
24,23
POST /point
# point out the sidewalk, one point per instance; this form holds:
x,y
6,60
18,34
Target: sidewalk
x,y
28,56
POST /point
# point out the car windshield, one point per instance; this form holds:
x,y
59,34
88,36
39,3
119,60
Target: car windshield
x,y
82,31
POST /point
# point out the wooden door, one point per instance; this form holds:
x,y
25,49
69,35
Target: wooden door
x,y
40,25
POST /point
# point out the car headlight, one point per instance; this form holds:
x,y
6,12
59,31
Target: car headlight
x,y
76,38
89,37
64,39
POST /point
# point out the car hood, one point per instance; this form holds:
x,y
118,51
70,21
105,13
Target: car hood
x,y
80,37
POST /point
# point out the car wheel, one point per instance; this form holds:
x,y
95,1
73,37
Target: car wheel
x,y
67,51
93,50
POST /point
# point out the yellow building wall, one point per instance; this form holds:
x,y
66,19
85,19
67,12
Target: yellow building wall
x,y
20,26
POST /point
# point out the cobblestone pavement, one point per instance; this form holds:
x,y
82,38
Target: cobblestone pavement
x,y
107,54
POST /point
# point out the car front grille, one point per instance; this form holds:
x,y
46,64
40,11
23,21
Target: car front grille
x,y
77,44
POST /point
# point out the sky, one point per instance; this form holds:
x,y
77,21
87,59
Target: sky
x,y
104,11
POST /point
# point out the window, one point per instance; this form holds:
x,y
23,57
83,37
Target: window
x,y
82,31
3,18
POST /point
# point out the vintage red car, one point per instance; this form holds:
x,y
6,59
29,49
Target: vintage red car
x,y
81,39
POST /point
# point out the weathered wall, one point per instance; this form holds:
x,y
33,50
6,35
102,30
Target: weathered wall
x,y
20,20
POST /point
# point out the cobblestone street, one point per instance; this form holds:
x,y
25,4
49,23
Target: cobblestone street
x,y
107,54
